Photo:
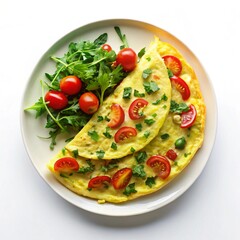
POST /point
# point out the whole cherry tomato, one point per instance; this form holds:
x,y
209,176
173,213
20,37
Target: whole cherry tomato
x,y
70,85
127,58
56,100
88,103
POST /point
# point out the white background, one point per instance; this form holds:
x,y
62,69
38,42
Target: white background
x,y
30,209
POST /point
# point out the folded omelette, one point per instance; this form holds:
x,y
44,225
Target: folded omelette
x,y
158,162
135,99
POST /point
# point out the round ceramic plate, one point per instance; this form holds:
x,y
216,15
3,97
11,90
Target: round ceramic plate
x,y
139,35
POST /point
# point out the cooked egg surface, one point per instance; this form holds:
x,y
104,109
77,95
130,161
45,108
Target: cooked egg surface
x,y
148,81
144,180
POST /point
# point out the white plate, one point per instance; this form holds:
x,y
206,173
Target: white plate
x,y
139,35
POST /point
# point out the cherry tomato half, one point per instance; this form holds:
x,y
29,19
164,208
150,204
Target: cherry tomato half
x,y
121,178
88,103
171,154
160,165
56,100
124,133
66,165
173,64
70,85
181,86
189,117
135,107
127,58
106,47
117,116
98,182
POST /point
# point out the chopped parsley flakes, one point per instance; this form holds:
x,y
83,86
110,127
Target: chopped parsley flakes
x,y
94,135
127,93
151,87
100,154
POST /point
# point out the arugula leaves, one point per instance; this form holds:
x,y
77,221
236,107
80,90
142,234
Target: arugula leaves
x,y
93,65
122,37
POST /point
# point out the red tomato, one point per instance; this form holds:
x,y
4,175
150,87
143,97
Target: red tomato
x,y
181,86
66,165
127,58
189,117
171,154
134,108
124,133
173,64
106,47
88,103
117,116
98,181
121,178
160,165
70,85
56,100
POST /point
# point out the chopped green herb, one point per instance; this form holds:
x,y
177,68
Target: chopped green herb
x,y
64,151
114,146
107,134
106,119
138,171
147,134
100,118
158,101
127,92
175,163
149,121
111,165
165,136
146,73
137,94
186,154
151,87
148,59
150,181
170,73
164,106
94,135
100,154
141,157
178,107
139,127
132,150
75,153
89,168
141,52
63,175
154,115
164,97
130,189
